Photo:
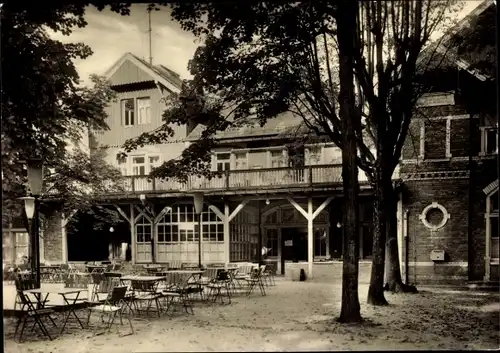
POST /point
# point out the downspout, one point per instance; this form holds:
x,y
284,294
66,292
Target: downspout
x,y
405,237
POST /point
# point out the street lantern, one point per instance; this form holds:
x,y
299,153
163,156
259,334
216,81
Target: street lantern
x,y
32,206
35,175
29,206
198,208
198,202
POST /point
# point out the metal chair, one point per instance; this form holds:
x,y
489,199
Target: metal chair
x,y
28,310
113,305
220,282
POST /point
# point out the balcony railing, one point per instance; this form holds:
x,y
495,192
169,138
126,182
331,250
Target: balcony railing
x,y
308,176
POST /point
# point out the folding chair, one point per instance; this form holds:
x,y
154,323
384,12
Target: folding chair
x,y
220,282
113,305
31,313
175,265
178,290
146,291
78,281
255,280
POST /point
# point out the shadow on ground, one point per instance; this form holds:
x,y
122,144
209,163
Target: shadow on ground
x,y
302,316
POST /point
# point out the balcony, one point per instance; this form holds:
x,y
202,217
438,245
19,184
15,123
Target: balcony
x,y
240,180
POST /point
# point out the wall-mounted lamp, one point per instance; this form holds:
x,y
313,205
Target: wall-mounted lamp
x,y
339,225
268,202
142,197
111,229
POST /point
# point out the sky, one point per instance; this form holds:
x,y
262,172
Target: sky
x,y
111,35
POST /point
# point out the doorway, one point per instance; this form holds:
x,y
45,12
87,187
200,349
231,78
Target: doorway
x,y
293,245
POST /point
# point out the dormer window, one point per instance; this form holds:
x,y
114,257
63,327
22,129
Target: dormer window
x,y
489,141
128,111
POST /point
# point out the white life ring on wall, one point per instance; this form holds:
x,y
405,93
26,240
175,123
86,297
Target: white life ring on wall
x,y
423,216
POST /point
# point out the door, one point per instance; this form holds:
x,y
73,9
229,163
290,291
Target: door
x,y
293,245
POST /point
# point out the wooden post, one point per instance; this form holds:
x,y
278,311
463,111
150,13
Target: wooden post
x,y
310,237
310,215
132,234
227,248
280,252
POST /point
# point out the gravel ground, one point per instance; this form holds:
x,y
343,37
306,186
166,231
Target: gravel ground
x,y
299,316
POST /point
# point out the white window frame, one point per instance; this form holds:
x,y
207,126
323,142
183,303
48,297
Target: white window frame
x,y
484,140
127,122
226,163
282,160
134,164
143,110
122,165
318,159
153,165
184,249
240,160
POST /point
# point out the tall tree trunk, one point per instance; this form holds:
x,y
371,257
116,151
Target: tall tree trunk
x,y
393,279
376,289
346,25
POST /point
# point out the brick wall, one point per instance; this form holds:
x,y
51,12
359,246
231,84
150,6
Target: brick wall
x,y
52,238
452,238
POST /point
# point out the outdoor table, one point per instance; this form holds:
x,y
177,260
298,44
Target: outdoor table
x,y
142,278
63,292
96,268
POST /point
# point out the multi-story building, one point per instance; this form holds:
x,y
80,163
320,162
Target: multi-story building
x,y
286,196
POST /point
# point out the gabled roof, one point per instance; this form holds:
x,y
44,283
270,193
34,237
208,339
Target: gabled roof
x,y
160,73
463,28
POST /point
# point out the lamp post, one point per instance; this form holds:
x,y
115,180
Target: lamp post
x,y
32,208
198,207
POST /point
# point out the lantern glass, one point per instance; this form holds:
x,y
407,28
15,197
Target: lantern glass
x,y
29,206
198,202
35,175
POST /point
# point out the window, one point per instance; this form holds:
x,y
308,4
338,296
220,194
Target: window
x,y
277,159
138,165
240,160
223,161
143,111
143,230
178,235
128,111
272,242
320,242
22,245
122,165
154,162
314,155
492,219
490,145
243,232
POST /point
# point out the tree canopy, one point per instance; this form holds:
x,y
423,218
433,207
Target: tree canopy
x,y
43,107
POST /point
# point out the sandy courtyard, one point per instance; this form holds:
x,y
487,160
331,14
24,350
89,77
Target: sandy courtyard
x,y
299,316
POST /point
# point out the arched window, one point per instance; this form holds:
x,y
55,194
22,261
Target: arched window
x,y
143,239
492,224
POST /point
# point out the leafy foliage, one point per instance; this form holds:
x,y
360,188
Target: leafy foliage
x,y
43,108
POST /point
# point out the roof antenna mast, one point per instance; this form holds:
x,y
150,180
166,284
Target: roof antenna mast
x,y
149,31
